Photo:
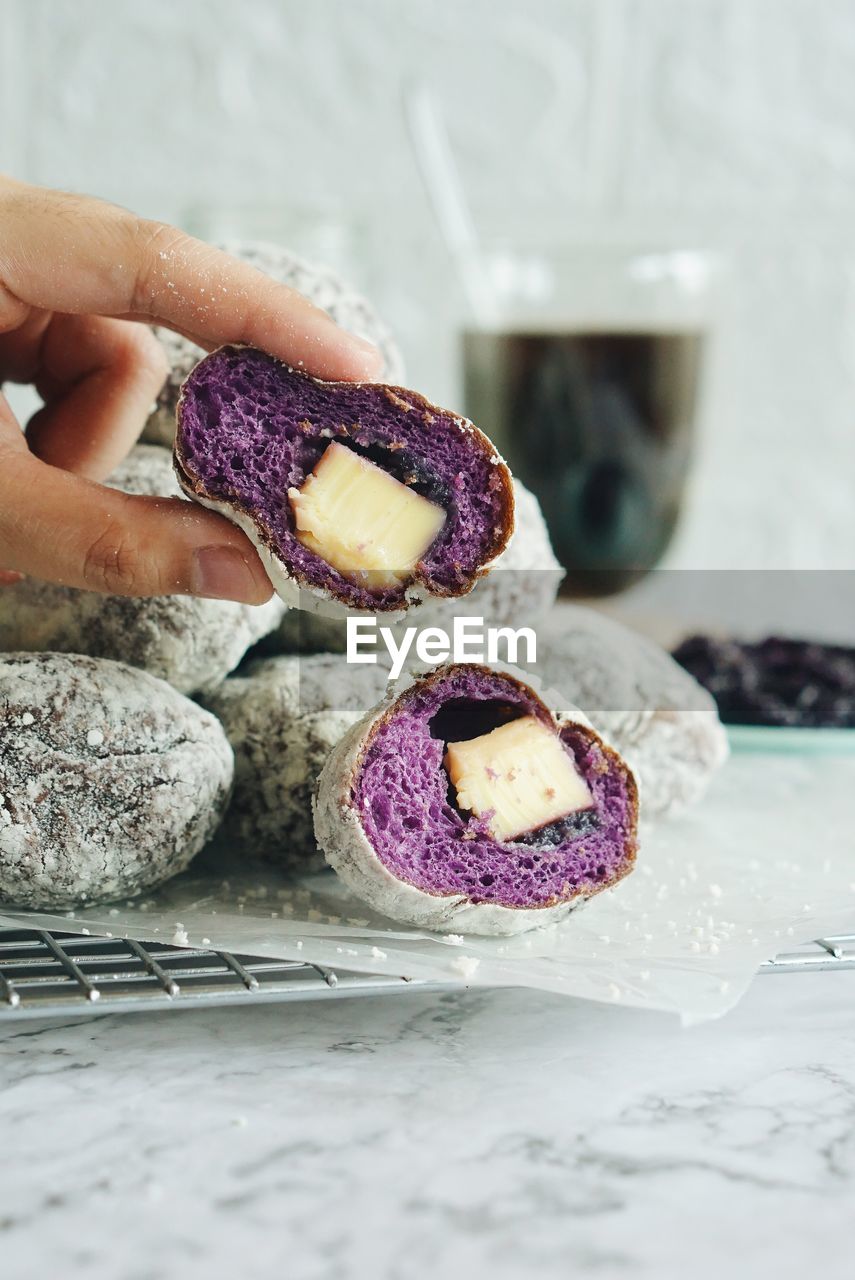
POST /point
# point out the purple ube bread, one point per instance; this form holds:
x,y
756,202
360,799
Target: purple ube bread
x,y
320,284
251,429
387,820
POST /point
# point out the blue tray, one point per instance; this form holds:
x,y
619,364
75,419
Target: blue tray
x,y
760,738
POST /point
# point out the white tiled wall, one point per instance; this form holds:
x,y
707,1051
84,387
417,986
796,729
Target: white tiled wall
x,y
721,122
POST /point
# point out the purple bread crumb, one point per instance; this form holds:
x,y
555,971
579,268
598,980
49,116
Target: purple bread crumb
x,y
405,806
250,428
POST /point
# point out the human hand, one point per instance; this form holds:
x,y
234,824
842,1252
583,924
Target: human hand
x,y
76,275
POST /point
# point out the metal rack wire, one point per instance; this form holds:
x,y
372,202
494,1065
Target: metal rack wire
x,y
836,952
43,974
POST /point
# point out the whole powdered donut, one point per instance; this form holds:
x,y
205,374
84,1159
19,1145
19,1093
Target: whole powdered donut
x,y
519,591
321,285
282,717
191,642
388,825
110,780
659,718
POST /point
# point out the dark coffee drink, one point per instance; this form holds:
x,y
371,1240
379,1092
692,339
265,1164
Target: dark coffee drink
x,y
599,425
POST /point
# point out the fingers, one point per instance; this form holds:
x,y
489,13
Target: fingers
x,y
61,528
99,379
214,298
117,265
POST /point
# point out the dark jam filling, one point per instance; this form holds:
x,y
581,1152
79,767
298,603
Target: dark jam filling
x,y
570,827
460,720
775,682
405,467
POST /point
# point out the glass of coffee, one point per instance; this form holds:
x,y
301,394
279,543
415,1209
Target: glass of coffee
x,y
584,366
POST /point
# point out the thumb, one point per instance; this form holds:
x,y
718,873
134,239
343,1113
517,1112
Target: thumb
x,y
61,528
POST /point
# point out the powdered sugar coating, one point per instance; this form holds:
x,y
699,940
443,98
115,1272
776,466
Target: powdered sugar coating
x,y
111,780
250,428
518,591
386,823
192,643
321,285
282,717
658,717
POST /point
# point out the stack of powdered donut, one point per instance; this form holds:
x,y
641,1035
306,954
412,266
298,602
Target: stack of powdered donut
x,y
461,797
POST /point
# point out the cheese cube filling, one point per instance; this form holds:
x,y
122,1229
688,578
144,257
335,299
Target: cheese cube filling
x,y
361,520
519,777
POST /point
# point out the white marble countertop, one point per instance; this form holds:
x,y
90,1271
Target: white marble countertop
x,y
486,1133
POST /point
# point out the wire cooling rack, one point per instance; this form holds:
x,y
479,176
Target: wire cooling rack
x,y
44,974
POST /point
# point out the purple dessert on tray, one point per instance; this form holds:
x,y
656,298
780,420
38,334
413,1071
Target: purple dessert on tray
x,y
358,496
465,805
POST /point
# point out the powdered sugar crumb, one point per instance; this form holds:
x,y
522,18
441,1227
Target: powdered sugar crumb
x,y
466,966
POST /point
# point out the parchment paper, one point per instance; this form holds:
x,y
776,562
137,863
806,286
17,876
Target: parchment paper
x,y
765,862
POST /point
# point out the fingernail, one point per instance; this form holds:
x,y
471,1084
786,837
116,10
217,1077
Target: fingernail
x,y
372,357
223,573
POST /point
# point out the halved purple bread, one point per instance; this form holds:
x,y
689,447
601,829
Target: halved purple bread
x,y
359,495
464,804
